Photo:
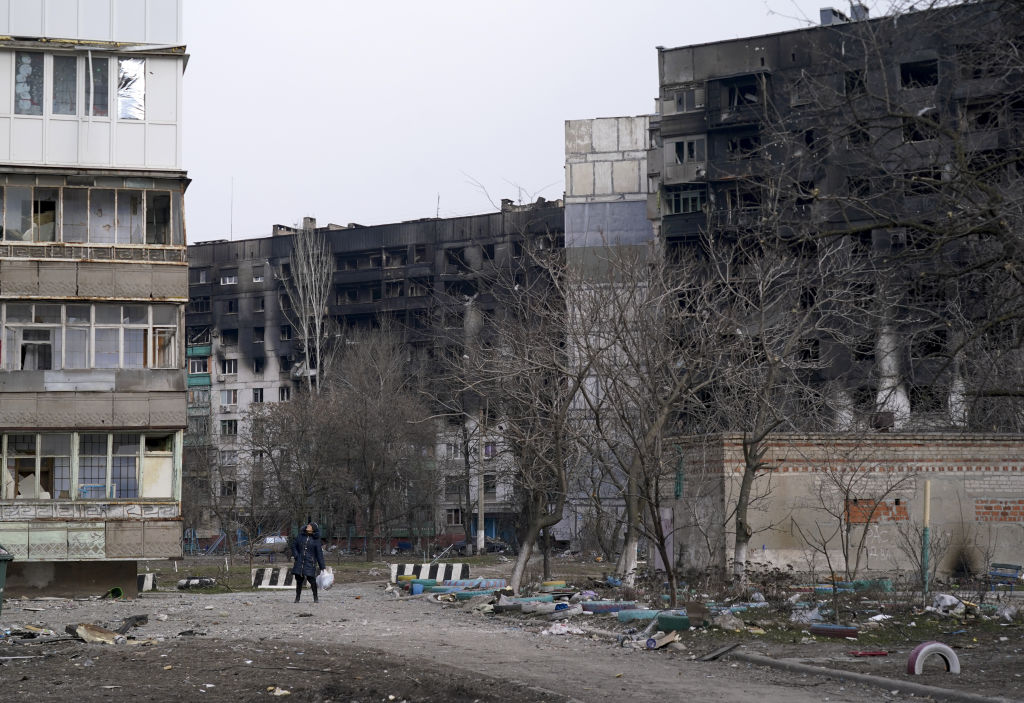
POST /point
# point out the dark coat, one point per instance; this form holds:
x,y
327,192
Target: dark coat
x,y
308,553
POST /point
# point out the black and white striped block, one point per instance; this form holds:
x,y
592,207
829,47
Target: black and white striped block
x,y
440,572
147,582
273,577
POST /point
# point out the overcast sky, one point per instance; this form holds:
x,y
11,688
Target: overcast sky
x,y
354,111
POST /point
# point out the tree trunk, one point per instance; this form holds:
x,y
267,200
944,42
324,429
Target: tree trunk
x,y
625,568
752,459
525,551
547,553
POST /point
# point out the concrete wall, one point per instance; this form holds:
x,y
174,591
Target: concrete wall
x,y
877,482
72,578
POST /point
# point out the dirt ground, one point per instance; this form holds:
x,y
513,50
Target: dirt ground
x,y
360,644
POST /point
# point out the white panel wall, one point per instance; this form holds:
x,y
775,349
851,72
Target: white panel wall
x,y
163,24
131,143
161,90
5,139
27,139
94,139
143,21
61,18
129,20
94,20
26,18
161,145
6,76
62,142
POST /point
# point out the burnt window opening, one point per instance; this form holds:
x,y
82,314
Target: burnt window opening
x,y
857,136
158,217
197,335
229,338
257,274
418,288
920,129
257,304
257,335
743,92
419,254
198,276
855,83
376,261
286,270
198,304
685,200
284,363
231,307
394,289
980,116
346,263
859,187
919,74
286,333
395,258
258,365
743,146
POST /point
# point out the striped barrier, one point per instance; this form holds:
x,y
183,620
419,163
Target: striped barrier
x,y
146,582
273,577
441,572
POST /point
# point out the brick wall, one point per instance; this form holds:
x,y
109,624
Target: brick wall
x,y
860,511
998,510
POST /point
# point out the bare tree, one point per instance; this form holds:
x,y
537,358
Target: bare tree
x,y
306,280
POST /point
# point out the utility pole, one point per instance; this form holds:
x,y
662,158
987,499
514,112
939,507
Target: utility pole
x,y
482,429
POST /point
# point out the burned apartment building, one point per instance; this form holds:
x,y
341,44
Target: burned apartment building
x,y
425,280
93,286
870,170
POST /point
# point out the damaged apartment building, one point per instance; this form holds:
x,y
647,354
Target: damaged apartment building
x,y
93,286
890,150
423,279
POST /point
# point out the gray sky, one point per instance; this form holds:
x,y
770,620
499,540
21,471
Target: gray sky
x,y
374,112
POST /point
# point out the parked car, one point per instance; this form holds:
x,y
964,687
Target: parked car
x,y
271,544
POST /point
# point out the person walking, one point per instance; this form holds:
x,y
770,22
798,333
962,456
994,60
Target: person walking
x,y
309,559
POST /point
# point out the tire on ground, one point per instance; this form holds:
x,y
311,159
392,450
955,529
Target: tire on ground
x,y
915,662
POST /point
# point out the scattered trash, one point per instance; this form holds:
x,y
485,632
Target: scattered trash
x,y
881,617
94,634
869,653
162,617
757,597
829,630
915,662
114,593
727,621
660,641
1007,612
715,654
560,628
945,604
194,582
278,691
806,616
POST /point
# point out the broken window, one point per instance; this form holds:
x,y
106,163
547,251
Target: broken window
x,y
55,465
690,150
228,489
919,129
74,215
744,92
394,289
198,304
65,85
420,254
490,486
158,217
980,116
257,274
44,214
20,474
284,394
129,217
919,74
231,306
743,146
286,333
258,364
28,83
855,83
679,201
257,335
131,89
101,216
124,470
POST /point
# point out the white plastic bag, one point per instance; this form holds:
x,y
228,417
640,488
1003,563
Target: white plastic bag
x,y
326,579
